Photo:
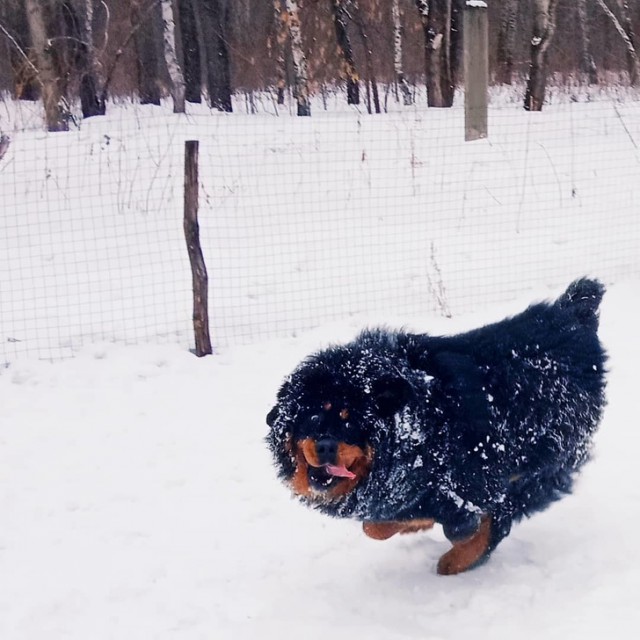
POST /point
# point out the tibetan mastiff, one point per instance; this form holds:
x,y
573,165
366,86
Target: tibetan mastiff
x,y
472,431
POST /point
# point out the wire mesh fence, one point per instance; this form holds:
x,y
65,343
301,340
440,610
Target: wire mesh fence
x,y
306,221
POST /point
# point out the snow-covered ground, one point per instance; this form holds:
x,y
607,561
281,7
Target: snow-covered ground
x,y
137,497
138,501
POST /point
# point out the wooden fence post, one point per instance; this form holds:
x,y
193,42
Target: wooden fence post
x,y
192,236
476,69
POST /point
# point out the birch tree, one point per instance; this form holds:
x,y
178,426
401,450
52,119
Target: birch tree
x,y
544,26
171,57
398,68
47,74
300,68
348,67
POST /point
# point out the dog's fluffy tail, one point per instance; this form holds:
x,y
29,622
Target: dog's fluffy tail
x,y
583,298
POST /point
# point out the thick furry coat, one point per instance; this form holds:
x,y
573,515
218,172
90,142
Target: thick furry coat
x,y
493,422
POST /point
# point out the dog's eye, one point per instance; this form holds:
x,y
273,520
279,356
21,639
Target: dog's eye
x,y
344,414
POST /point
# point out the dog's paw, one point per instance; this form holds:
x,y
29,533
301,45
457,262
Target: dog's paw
x,y
468,553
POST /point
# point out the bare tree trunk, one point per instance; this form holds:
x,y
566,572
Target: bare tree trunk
x,y
507,41
456,49
587,63
423,11
438,54
544,26
145,21
215,26
632,56
407,98
281,39
349,72
45,63
191,50
171,57
299,59
368,56
15,31
91,100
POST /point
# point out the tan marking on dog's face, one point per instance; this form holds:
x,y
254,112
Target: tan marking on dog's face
x,y
465,554
300,479
308,449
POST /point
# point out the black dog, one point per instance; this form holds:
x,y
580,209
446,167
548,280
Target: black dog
x,y
472,431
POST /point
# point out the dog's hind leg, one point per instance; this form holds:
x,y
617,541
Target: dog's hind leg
x,y
468,553
385,530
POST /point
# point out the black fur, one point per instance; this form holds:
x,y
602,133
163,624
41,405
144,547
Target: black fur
x,y
494,421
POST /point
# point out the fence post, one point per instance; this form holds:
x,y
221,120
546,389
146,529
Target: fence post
x,y
192,236
476,69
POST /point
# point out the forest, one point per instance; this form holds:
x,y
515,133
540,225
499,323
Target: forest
x,y
76,55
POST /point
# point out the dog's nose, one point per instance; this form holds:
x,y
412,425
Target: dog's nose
x,y
327,450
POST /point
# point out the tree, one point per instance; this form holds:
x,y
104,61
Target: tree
x,y
368,56
627,35
300,71
587,63
191,55
349,72
398,68
281,40
15,29
145,20
632,57
544,26
47,72
435,16
171,57
506,41
86,61
215,16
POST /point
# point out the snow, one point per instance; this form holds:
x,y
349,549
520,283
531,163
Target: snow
x,y
92,244
138,499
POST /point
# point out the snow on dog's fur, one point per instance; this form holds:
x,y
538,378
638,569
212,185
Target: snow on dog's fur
x,y
472,431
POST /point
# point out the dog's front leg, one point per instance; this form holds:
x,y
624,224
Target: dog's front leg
x,y
467,552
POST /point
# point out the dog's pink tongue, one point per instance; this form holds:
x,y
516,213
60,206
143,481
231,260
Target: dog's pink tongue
x,y
339,471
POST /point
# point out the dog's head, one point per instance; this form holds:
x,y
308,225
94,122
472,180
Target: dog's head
x,y
329,417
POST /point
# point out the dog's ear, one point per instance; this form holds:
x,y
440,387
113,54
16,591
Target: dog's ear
x,y
271,416
390,395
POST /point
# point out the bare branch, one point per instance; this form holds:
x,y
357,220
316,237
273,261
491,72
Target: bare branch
x,y
20,50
